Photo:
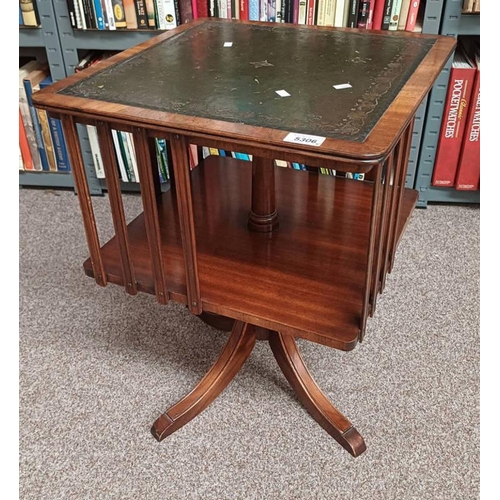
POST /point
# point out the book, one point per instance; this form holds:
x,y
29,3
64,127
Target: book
x,y
469,162
25,112
339,13
130,14
128,155
141,14
371,9
109,18
96,151
21,23
161,147
119,155
403,14
352,21
71,12
31,83
89,14
99,15
151,13
364,11
24,146
167,18
29,12
119,14
411,20
378,14
330,12
395,11
386,19
186,11
56,132
81,10
458,96
43,118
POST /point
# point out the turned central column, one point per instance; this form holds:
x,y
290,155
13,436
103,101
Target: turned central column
x,y
263,217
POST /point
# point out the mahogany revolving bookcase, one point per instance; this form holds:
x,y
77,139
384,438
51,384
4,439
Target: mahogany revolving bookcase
x,y
267,252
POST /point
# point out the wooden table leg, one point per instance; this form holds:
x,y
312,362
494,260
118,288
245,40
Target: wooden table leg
x,y
287,355
232,358
263,217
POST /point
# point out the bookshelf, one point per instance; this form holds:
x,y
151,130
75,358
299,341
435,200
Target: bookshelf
x,y
453,23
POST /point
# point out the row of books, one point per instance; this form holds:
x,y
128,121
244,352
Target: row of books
x,y
471,7
206,151
28,13
41,140
167,14
457,163
127,14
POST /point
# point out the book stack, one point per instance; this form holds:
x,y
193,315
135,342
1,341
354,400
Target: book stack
x,y
28,13
457,163
128,14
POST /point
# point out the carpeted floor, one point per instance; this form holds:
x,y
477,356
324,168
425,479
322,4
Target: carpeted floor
x,y
97,367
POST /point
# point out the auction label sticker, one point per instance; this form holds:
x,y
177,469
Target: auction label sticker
x,y
308,140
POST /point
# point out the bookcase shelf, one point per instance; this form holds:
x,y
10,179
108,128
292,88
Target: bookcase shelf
x,y
31,37
452,23
46,179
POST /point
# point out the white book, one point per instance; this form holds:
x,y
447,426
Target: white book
x,y
133,157
82,14
127,160
302,15
330,12
121,164
395,11
339,13
108,4
167,14
96,151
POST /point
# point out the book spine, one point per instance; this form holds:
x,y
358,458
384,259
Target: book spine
x,y
141,14
87,13
352,21
99,15
452,128
151,13
339,14
119,155
37,133
329,12
82,15
253,10
364,9
28,13
244,15
311,12
133,158
411,21
130,15
469,162
96,151
24,145
371,9
403,14
47,138
302,14
71,13
118,10
395,11
60,150
271,11
185,11
163,155
320,13
386,19
378,14
21,22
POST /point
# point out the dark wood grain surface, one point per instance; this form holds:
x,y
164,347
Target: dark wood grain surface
x,y
306,278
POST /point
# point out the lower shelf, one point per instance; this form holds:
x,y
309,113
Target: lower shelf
x,y
307,278
46,179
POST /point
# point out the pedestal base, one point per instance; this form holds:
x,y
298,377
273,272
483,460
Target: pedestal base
x,y
232,358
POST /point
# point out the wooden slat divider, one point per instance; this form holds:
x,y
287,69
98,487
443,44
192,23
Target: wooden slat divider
x,y
149,200
180,163
115,201
82,189
371,249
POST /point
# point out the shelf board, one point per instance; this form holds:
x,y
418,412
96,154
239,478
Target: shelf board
x,y
306,279
469,24
46,179
110,39
31,37
450,195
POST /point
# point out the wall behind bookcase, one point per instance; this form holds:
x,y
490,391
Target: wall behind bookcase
x,y
454,23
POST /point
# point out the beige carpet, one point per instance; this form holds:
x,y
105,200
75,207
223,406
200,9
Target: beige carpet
x,y
97,367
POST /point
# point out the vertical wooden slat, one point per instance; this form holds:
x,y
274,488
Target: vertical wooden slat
x,y
82,189
180,163
402,181
371,248
382,230
398,155
115,201
149,200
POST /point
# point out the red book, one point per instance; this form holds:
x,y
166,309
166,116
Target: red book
x,y
202,8
24,145
369,23
378,14
194,8
462,74
468,165
243,10
411,20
